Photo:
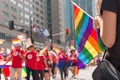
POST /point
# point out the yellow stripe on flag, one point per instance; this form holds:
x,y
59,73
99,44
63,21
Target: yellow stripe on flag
x,y
91,49
78,18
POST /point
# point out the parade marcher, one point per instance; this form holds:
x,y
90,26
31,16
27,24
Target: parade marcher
x,y
73,58
62,64
31,59
17,56
48,65
54,63
41,66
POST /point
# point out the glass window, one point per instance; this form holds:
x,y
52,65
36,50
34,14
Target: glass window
x,y
37,3
26,9
27,16
41,6
26,23
13,1
41,17
37,9
5,5
20,5
37,15
37,21
42,23
14,17
31,12
27,3
41,12
6,14
13,9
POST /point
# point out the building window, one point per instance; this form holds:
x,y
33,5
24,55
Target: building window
x,y
13,9
6,14
26,9
13,1
20,5
31,12
42,23
21,0
37,15
37,3
5,22
41,6
21,20
5,5
37,9
41,17
41,12
27,3
26,23
37,21
14,17
20,13
27,16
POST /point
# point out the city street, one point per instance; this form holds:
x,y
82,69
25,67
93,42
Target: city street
x,y
84,74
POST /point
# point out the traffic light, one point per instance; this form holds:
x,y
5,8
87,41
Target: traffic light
x,y
11,25
67,31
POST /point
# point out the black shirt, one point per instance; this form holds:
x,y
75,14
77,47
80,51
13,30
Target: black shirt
x,y
114,52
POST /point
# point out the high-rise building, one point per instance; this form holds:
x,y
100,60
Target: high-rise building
x,y
55,20
87,5
21,12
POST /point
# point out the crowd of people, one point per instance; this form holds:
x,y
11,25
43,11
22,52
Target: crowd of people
x,y
41,65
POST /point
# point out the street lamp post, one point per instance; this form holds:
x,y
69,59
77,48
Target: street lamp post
x,y
31,31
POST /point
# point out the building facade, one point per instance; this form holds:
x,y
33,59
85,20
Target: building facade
x,y
22,12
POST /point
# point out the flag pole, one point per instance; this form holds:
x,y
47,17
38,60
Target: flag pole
x,y
82,9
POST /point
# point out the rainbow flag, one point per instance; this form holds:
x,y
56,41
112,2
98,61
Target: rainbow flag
x,y
16,42
86,37
2,41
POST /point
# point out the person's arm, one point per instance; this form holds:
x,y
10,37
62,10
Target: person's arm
x,y
108,30
8,59
21,55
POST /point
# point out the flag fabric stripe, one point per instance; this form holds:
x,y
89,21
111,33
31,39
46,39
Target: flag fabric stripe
x,y
86,37
78,18
80,64
83,58
91,40
87,54
76,11
82,31
81,23
91,49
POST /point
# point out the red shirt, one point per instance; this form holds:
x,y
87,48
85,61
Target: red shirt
x,y
31,60
16,60
74,58
40,63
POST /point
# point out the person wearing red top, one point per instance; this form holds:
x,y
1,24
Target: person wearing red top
x,y
2,58
73,57
41,66
47,65
31,63
17,56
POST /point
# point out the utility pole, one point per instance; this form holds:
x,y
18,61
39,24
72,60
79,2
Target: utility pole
x,y
51,39
31,31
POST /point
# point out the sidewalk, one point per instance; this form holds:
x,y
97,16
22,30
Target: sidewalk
x,y
84,74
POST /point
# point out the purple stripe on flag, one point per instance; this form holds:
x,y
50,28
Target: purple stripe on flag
x,y
4,66
85,36
80,64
